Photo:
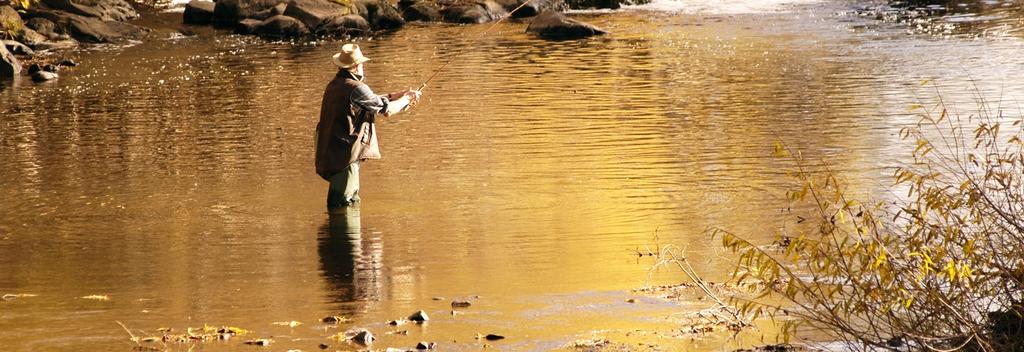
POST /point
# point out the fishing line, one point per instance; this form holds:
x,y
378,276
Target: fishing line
x,y
471,44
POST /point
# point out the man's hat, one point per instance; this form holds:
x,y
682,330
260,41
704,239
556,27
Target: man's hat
x,y
350,56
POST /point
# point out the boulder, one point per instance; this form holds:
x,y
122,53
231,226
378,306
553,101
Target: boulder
x,y
271,12
532,8
229,12
247,26
387,16
314,12
593,4
554,25
198,12
105,10
17,48
42,26
31,37
281,27
380,13
419,317
362,336
421,11
42,74
9,65
479,12
343,25
90,29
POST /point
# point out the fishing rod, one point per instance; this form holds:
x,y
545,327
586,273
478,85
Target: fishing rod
x,y
475,40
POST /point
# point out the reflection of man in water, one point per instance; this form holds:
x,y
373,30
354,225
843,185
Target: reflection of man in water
x,y
345,133
351,264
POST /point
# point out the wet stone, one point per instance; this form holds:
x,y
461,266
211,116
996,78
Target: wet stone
x,y
18,48
423,345
333,319
198,12
258,342
363,336
9,65
554,25
419,317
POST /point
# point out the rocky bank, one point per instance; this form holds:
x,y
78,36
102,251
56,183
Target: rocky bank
x,y
41,33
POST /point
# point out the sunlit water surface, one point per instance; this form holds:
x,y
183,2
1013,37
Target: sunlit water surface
x,y
176,176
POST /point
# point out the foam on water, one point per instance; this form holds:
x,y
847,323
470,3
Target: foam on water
x,y
719,7
175,6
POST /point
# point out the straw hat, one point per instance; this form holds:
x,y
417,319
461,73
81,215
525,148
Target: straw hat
x,y
350,56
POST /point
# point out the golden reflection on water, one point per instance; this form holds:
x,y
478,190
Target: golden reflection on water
x,y
176,176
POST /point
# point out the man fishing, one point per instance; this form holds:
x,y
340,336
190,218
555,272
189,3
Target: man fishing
x,y
345,134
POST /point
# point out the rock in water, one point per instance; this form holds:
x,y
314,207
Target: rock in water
x,y
314,12
43,26
89,29
533,8
363,336
419,317
67,63
380,13
479,12
282,27
425,345
271,12
43,76
342,25
104,10
9,65
247,26
17,48
593,4
553,25
31,37
229,12
425,11
198,12
461,304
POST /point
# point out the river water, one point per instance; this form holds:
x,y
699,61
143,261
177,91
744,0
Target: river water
x,y
176,178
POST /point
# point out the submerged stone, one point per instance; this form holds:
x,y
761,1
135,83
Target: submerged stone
x,y
553,25
363,336
419,317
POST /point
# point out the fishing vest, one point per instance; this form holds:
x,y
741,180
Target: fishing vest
x,y
341,126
